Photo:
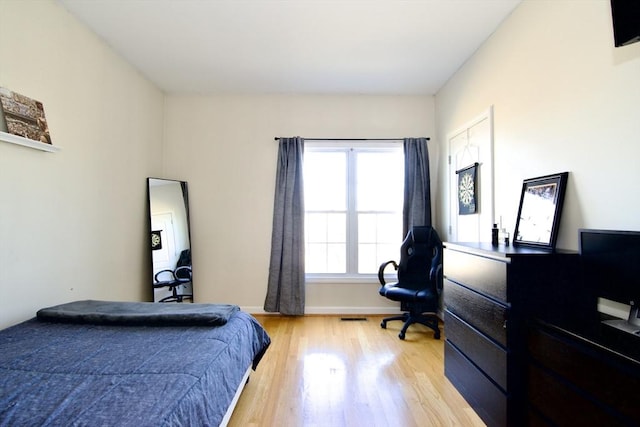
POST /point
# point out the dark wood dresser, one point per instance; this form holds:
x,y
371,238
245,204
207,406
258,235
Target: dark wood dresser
x,y
572,380
488,297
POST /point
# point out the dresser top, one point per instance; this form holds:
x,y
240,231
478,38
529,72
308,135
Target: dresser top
x,y
488,250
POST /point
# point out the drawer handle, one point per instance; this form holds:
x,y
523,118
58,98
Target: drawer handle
x,y
504,324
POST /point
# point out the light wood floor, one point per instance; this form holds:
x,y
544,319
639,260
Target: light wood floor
x,y
323,371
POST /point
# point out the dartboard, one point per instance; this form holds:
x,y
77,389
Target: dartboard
x,y
466,189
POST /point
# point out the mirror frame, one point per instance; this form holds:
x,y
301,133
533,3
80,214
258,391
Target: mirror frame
x,y
151,231
528,232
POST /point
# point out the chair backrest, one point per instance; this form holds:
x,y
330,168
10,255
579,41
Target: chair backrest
x,y
183,266
420,259
184,259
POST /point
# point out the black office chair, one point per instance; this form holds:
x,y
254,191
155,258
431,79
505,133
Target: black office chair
x,y
176,278
419,280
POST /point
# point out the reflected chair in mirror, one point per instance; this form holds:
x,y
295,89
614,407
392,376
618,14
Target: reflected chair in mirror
x,y
175,279
419,280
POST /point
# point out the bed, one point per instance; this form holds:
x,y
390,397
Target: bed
x,y
97,363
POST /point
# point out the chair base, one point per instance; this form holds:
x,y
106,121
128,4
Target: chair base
x,y
177,298
428,320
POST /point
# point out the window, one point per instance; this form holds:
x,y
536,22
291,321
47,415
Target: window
x,y
353,207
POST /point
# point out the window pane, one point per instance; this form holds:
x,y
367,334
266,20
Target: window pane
x,y
379,239
325,227
337,228
325,258
371,256
325,243
389,228
367,259
379,228
315,227
380,180
336,258
367,228
315,258
325,181
387,253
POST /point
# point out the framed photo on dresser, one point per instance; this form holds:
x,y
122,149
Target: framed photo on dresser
x,y
540,211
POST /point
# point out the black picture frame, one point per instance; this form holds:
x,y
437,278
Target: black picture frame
x,y
468,190
540,210
156,240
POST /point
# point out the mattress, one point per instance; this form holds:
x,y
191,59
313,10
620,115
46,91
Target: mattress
x,y
68,374
138,313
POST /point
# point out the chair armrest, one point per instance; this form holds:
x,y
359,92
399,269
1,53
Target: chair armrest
x,y
382,268
155,278
436,276
183,274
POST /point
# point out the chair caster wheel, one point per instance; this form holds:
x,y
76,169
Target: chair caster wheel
x,y
383,325
401,335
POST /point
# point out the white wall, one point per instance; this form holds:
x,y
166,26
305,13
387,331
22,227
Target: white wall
x,y
224,147
564,100
72,223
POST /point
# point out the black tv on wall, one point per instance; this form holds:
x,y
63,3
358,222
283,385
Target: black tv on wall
x,y
626,21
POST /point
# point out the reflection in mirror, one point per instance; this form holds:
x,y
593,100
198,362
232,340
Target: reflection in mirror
x,y
170,240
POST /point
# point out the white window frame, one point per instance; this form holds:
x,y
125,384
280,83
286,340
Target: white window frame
x,y
351,276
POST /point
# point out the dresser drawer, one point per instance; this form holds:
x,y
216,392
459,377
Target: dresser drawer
x,y
484,397
487,275
594,374
484,314
488,356
566,406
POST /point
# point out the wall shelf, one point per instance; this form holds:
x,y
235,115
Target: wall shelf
x,y
19,140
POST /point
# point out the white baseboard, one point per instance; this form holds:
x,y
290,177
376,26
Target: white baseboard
x,y
334,310
340,311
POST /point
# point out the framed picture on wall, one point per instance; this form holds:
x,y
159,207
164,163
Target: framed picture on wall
x,y
468,190
540,210
156,240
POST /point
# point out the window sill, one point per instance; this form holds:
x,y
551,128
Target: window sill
x,y
365,279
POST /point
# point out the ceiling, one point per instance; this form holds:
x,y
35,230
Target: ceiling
x,y
382,47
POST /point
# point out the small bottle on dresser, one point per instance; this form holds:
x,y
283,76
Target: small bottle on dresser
x,y
504,236
494,235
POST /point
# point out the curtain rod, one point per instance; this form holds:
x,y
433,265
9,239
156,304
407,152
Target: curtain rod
x,y
277,138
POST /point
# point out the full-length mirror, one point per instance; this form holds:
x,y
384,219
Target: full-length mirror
x,y
172,276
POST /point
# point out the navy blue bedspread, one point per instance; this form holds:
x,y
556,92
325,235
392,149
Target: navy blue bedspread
x,y
61,374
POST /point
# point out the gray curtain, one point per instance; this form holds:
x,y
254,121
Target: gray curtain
x,y
417,185
286,287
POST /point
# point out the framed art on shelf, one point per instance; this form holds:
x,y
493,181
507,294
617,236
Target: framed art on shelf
x,y
23,116
540,210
